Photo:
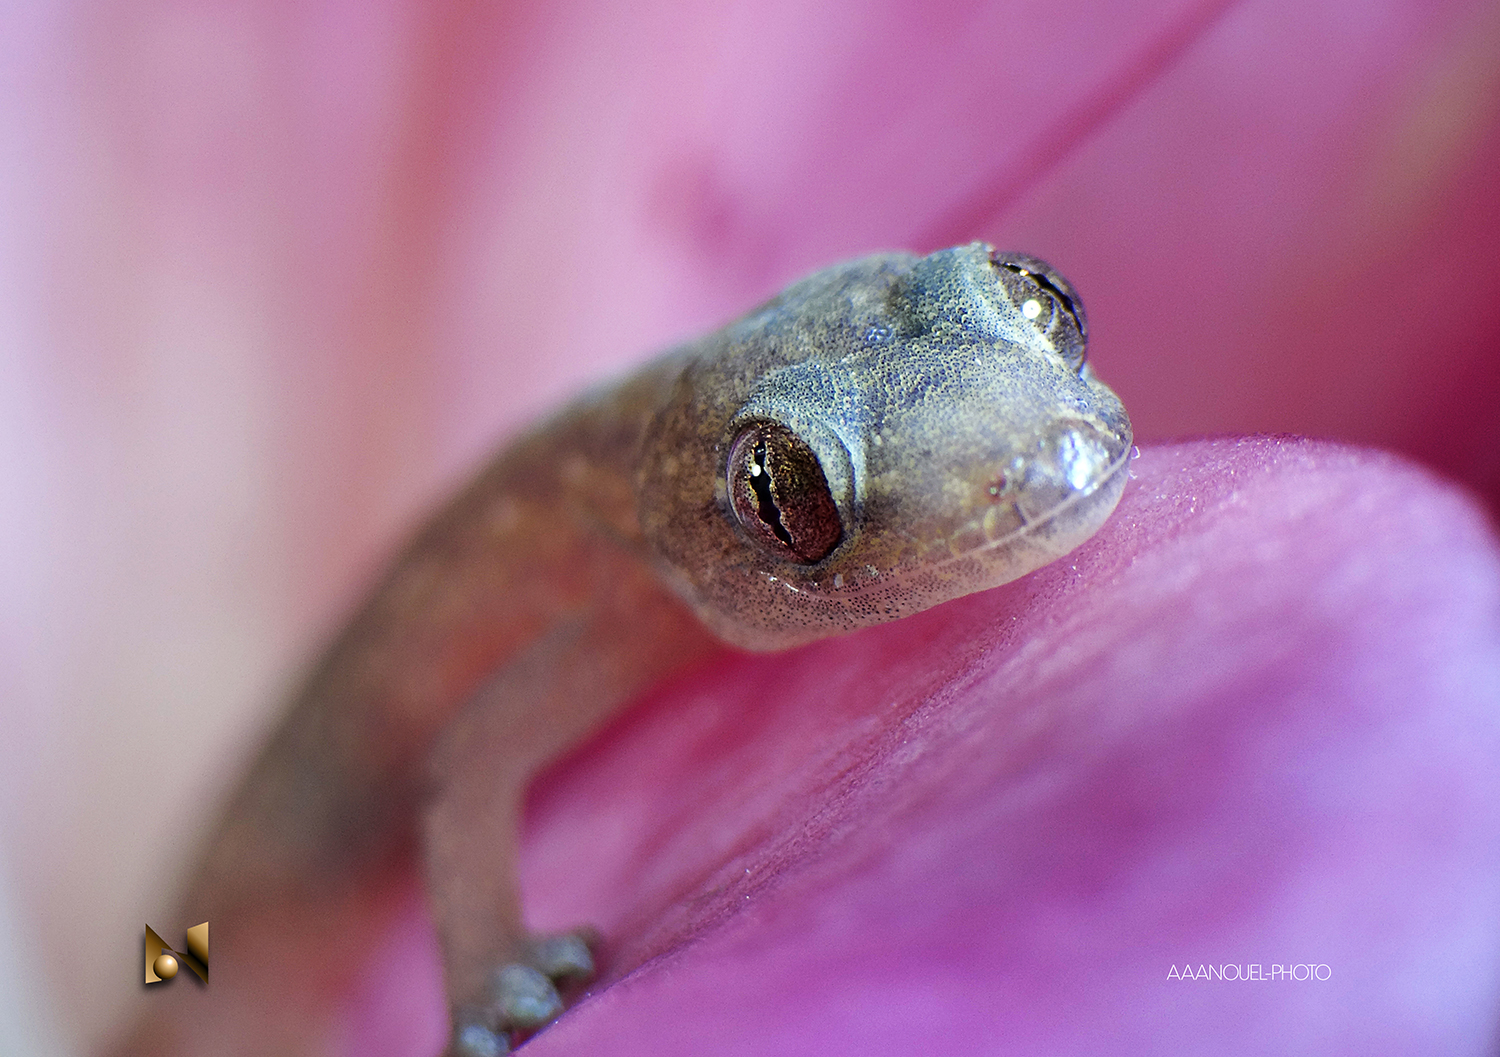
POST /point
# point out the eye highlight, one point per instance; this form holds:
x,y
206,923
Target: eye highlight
x,y
780,495
1047,301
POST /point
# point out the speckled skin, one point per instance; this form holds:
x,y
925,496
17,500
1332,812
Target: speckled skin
x,y
964,444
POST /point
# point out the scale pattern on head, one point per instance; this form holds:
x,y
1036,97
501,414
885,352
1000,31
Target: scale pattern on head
x,y
882,437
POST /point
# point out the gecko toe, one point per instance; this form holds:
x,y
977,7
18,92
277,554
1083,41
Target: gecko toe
x,y
476,1040
522,998
564,958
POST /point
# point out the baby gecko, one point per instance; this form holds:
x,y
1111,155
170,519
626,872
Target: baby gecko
x,y
881,437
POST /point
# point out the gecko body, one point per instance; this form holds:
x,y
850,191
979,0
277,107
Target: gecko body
x,y
881,437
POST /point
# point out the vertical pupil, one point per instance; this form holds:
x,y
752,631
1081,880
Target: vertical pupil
x,y
760,483
777,493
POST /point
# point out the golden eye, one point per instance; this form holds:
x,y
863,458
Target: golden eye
x,y
780,496
1048,302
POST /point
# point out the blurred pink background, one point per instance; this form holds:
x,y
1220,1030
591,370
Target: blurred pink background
x,y
272,276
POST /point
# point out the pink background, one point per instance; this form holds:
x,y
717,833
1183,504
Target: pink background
x,y
273,275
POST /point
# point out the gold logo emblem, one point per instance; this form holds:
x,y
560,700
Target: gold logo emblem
x,y
162,962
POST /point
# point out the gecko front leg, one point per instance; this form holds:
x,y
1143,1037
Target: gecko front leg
x,y
502,980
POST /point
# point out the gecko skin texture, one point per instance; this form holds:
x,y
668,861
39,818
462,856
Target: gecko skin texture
x,y
882,437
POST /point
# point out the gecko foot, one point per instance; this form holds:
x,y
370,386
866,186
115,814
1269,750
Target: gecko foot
x,y
525,995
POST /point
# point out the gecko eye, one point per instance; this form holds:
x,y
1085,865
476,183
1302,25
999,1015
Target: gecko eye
x,y
1048,302
780,495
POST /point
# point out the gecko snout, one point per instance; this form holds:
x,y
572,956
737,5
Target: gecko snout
x,y
1069,460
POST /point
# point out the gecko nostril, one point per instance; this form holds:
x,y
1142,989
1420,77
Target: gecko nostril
x,y
1004,483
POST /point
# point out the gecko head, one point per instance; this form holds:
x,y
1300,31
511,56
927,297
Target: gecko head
x,y
880,438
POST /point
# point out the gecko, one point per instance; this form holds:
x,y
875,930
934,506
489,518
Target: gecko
x,y
886,435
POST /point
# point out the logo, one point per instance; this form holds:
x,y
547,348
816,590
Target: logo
x,y
162,961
